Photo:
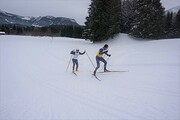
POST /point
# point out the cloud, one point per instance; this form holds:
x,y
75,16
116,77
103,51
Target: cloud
x,y
170,3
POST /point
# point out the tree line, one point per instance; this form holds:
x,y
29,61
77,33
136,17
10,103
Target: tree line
x,y
172,25
139,18
72,31
145,19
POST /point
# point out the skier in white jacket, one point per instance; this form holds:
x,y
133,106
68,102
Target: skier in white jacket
x,y
75,54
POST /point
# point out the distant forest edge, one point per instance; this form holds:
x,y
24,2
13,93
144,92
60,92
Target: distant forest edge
x,y
72,31
170,27
145,19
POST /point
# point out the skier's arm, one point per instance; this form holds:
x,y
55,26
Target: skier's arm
x,y
106,52
82,53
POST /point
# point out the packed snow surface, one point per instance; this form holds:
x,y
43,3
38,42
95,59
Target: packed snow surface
x,y
34,83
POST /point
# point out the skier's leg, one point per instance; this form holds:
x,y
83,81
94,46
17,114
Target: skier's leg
x,y
73,60
77,65
98,64
105,63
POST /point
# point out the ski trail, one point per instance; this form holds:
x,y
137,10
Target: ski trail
x,y
92,103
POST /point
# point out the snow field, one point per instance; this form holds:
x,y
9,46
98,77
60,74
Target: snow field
x,y
34,83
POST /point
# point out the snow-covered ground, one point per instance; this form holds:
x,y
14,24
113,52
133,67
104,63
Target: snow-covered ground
x,y
34,84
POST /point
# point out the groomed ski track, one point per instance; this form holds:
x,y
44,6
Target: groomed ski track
x,y
34,83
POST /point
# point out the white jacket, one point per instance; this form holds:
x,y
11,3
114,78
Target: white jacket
x,y
76,54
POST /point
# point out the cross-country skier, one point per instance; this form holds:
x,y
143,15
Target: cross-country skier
x,y
75,54
99,57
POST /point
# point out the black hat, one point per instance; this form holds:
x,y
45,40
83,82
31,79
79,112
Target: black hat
x,y
106,46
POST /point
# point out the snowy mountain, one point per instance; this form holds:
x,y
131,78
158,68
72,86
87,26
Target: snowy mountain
x,y
8,18
174,9
34,83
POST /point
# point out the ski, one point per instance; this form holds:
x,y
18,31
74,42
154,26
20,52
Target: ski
x,y
74,73
96,77
113,71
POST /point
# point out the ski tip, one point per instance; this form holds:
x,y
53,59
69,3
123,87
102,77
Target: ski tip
x,y
96,77
74,73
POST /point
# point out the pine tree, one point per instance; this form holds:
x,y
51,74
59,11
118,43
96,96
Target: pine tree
x,y
96,24
177,24
128,8
148,22
115,20
168,24
103,21
87,28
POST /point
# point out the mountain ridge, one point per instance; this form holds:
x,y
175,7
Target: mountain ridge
x,y
41,21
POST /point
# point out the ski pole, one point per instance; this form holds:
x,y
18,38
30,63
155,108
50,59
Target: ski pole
x,y
69,63
108,58
90,60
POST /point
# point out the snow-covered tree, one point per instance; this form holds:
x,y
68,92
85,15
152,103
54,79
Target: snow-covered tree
x,y
177,24
168,24
96,24
103,20
148,22
115,17
128,8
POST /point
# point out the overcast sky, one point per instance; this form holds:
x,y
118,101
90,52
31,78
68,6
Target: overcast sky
x,y
76,9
